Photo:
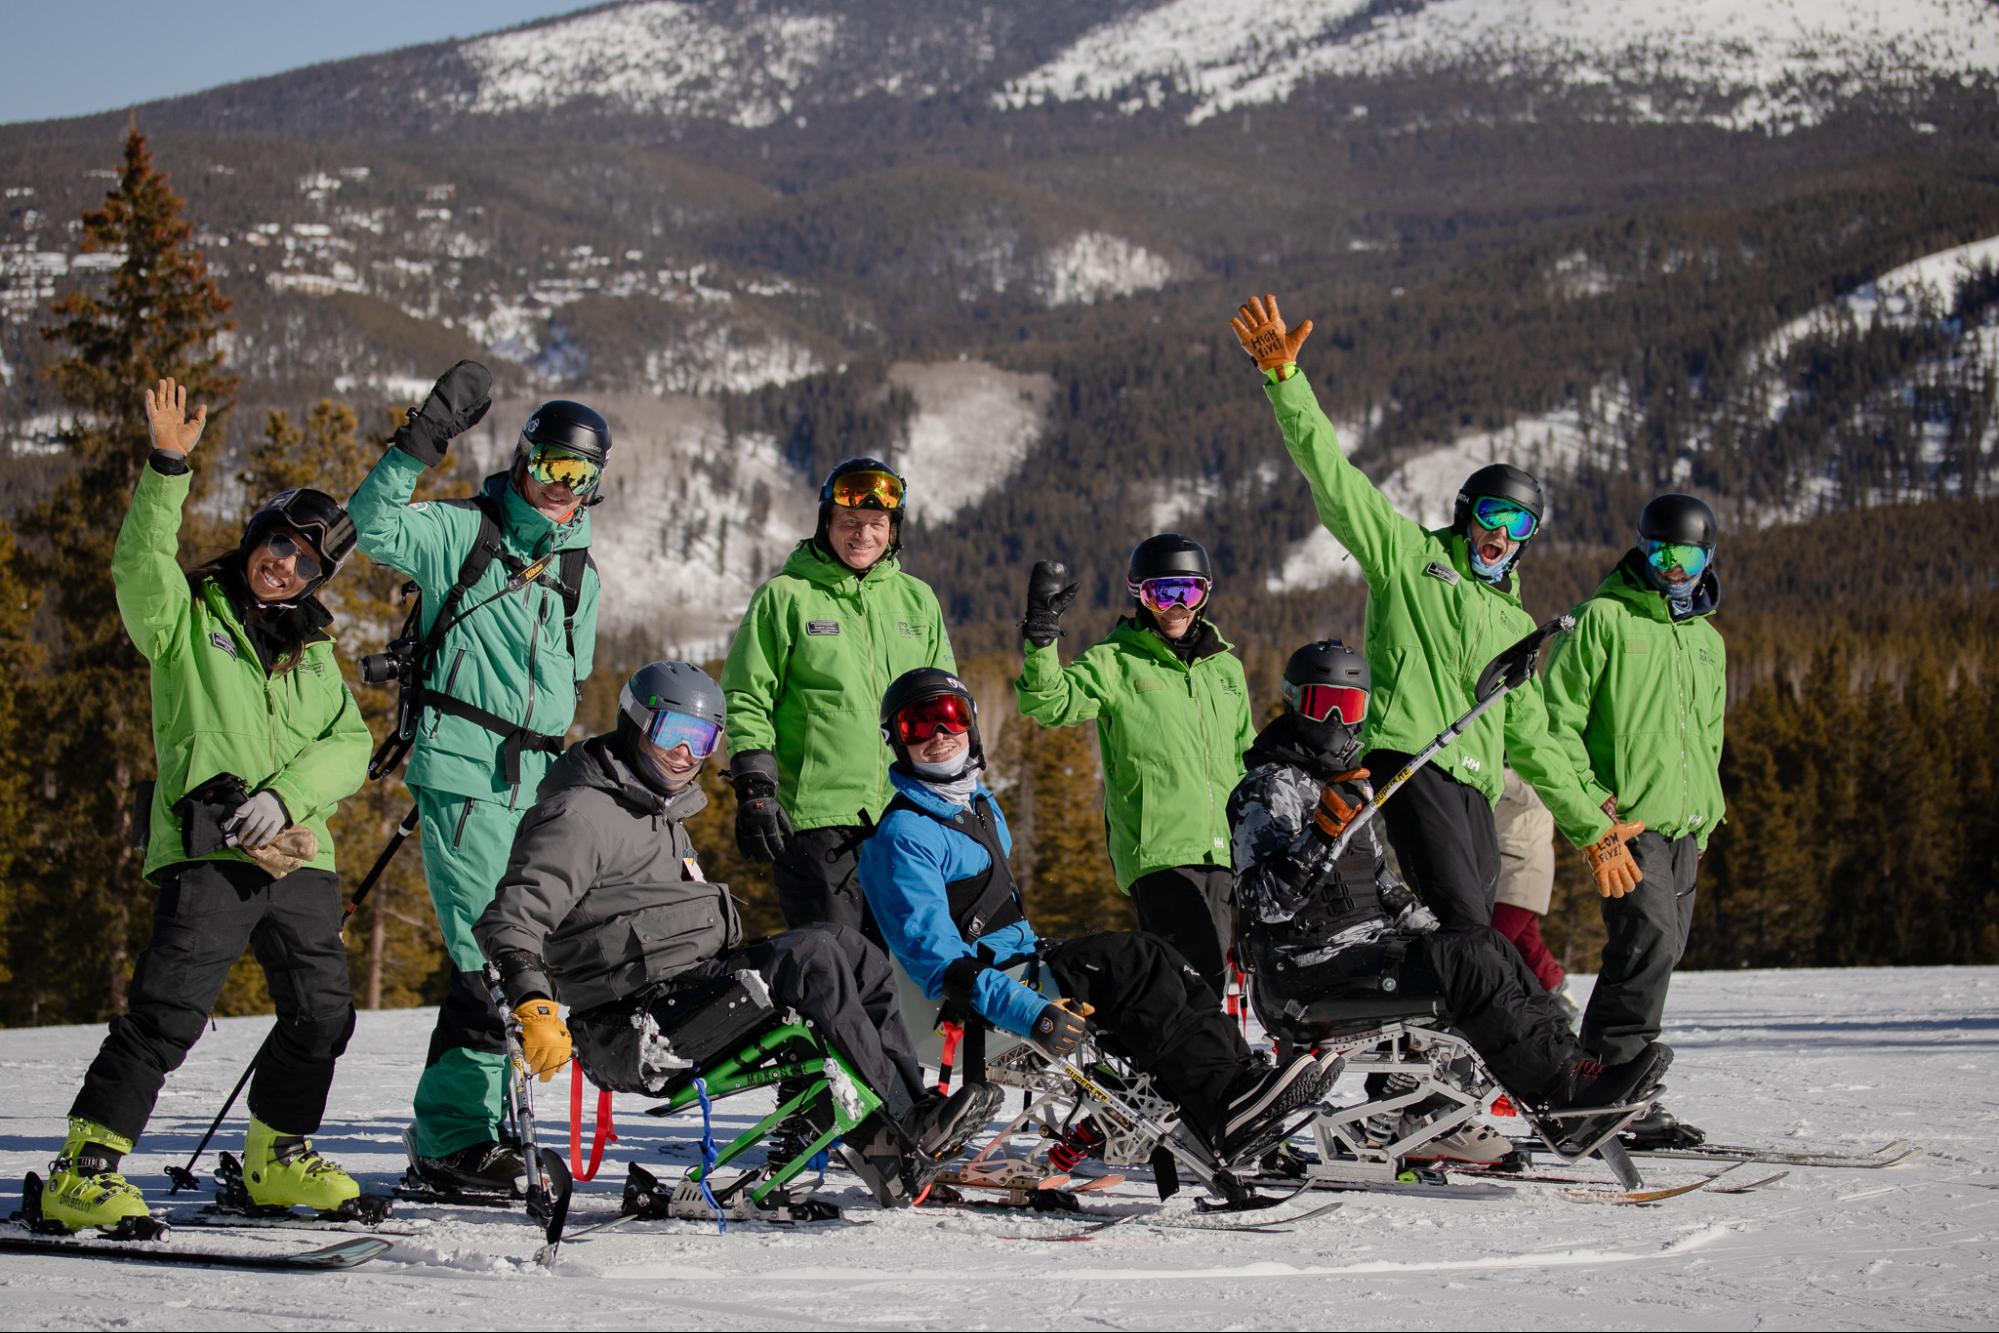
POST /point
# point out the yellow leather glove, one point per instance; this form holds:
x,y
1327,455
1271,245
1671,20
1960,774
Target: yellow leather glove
x,y
544,1040
1611,862
1259,327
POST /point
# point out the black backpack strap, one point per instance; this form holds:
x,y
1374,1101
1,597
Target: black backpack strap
x,y
569,574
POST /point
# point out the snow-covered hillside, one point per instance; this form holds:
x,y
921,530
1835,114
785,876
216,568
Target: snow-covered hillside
x,y
1833,1059
1780,63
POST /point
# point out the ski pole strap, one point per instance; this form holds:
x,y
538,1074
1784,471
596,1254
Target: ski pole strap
x,y
708,1153
953,1033
605,1132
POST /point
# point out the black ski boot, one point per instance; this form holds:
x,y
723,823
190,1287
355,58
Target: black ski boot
x,y
1257,1116
1659,1129
898,1162
940,1127
483,1170
1588,1081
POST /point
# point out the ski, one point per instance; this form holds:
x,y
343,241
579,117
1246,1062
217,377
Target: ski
x,y
1648,1195
1748,1185
211,1218
1259,1222
1888,1154
1428,1188
326,1259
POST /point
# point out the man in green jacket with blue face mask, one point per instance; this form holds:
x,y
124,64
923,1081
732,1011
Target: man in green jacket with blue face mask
x,y
1635,697
1440,605
816,649
508,632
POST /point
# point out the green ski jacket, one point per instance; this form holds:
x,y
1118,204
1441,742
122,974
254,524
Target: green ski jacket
x,y
1432,626
813,656
215,709
1636,699
509,657
1171,735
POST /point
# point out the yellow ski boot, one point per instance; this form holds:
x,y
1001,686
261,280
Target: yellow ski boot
x,y
283,1171
84,1188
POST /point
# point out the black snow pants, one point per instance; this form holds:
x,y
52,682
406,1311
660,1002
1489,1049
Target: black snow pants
x,y
816,885
1516,1027
1161,1015
207,912
1192,909
1646,936
1444,841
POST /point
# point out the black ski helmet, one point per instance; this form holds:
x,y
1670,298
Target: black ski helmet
x,y
1502,481
913,687
840,470
1680,519
659,687
1327,662
314,515
565,425
1164,556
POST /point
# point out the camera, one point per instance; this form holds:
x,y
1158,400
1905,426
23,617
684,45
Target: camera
x,y
393,663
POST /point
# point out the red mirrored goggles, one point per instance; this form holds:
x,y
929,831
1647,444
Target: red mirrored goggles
x,y
1319,702
923,719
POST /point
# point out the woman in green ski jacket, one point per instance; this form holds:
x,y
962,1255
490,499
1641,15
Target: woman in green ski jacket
x,y
1172,711
1635,697
1440,605
257,740
817,647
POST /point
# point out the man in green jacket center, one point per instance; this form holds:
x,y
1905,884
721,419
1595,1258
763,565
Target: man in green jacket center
x,y
500,679
1440,605
816,649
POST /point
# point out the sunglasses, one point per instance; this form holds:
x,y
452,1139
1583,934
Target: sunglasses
x,y
1668,556
1319,702
1188,590
1505,516
669,729
923,719
868,490
552,465
304,562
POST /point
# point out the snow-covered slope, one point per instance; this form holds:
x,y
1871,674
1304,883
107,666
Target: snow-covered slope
x,y
972,426
1836,1059
1764,63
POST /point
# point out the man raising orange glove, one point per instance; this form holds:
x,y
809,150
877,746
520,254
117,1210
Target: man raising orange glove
x,y
1259,327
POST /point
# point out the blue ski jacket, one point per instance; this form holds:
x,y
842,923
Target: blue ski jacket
x,y
904,868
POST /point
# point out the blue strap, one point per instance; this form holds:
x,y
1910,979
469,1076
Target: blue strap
x,y
708,1152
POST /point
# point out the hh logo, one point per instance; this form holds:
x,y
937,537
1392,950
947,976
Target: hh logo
x,y
822,627
222,641
1471,763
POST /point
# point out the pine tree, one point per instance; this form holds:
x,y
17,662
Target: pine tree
x,y
159,316
26,931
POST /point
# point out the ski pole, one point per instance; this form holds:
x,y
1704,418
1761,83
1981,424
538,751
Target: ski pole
x,y
183,1177
1505,673
548,1180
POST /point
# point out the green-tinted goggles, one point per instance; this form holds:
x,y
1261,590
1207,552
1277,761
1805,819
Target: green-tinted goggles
x,y
1497,515
1668,556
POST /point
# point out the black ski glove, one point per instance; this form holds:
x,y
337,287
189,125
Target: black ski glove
x,y
1050,590
456,402
762,827
1061,1027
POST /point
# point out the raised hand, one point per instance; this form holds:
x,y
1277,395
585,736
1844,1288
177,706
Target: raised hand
x,y
1050,590
1259,327
173,431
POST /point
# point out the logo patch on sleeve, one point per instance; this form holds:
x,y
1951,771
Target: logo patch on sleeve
x,y
222,641
1436,569
822,627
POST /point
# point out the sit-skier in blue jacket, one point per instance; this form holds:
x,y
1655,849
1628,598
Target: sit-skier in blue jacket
x,y
935,875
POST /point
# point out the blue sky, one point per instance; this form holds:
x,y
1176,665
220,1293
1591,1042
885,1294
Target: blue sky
x,y
73,57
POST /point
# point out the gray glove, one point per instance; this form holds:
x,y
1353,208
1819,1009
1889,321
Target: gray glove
x,y
456,402
258,820
1416,919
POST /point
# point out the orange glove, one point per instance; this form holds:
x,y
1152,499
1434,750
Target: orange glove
x,y
1333,814
1260,329
544,1040
1611,862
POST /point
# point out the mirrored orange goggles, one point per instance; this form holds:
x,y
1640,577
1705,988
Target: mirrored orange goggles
x,y
552,465
868,490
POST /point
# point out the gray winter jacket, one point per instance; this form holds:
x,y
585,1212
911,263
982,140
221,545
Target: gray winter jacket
x,y
603,888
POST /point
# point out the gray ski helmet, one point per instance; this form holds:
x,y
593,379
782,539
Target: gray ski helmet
x,y
316,516
913,687
663,687
1502,481
1680,519
1164,556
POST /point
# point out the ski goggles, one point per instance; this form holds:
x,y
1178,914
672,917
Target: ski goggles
x,y
1188,590
1668,556
1319,702
552,465
670,728
867,490
922,720
1497,515
305,561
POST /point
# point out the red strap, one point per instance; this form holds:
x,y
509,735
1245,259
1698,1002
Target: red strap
x,y
605,1133
953,1033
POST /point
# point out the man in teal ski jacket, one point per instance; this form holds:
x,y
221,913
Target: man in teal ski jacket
x,y
1441,605
817,646
502,663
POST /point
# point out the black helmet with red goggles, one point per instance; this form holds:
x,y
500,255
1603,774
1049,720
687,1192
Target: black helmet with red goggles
x,y
1327,684
923,702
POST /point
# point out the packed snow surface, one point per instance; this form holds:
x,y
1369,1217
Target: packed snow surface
x,y
1838,1060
